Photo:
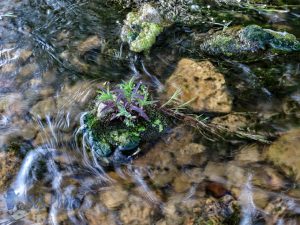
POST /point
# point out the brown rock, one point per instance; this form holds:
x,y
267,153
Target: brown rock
x,y
9,164
201,84
44,107
8,68
191,154
182,183
49,76
28,70
136,211
28,131
13,104
216,189
162,164
249,154
89,44
98,215
24,54
268,178
232,122
284,153
114,197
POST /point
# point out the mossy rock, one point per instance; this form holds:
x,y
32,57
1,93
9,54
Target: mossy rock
x,y
113,141
141,28
249,43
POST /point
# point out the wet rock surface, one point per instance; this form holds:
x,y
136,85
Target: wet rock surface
x,y
53,57
284,154
241,43
200,85
141,28
10,163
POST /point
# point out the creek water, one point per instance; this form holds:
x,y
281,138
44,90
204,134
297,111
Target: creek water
x,y
54,54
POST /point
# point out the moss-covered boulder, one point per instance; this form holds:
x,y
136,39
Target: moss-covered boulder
x,y
141,28
250,42
116,142
121,120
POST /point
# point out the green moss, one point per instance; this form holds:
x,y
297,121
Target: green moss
x,y
250,42
105,137
141,29
255,34
283,41
223,45
146,38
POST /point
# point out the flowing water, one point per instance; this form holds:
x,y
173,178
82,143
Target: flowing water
x,y
54,54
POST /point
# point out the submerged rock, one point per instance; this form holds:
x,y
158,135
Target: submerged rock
x,y
44,108
114,197
249,43
141,28
201,85
9,164
284,153
231,122
219,211
90,43
136,211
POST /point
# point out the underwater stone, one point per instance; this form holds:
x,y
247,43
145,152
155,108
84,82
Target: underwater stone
x,y
247,42
284,154
141,28
9,164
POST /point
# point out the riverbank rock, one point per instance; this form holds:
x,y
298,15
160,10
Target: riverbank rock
x,y
249,43
141,28
201,85
284,153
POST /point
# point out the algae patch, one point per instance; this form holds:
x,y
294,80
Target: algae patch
x,y
245,43
141,28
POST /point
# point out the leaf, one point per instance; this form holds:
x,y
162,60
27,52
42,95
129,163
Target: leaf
x,y
137,87
140,111
108,105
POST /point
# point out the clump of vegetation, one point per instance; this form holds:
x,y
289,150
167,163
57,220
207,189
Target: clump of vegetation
x,y
247,42
123,117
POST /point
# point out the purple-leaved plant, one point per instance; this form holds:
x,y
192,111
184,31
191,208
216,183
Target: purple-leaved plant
x,y
126,102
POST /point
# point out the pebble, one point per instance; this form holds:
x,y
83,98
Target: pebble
x,y
113,197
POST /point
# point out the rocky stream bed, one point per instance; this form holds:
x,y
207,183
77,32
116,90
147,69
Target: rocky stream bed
x,y
224,77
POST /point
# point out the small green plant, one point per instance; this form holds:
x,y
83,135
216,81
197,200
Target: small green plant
x,y
127,102
124,116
